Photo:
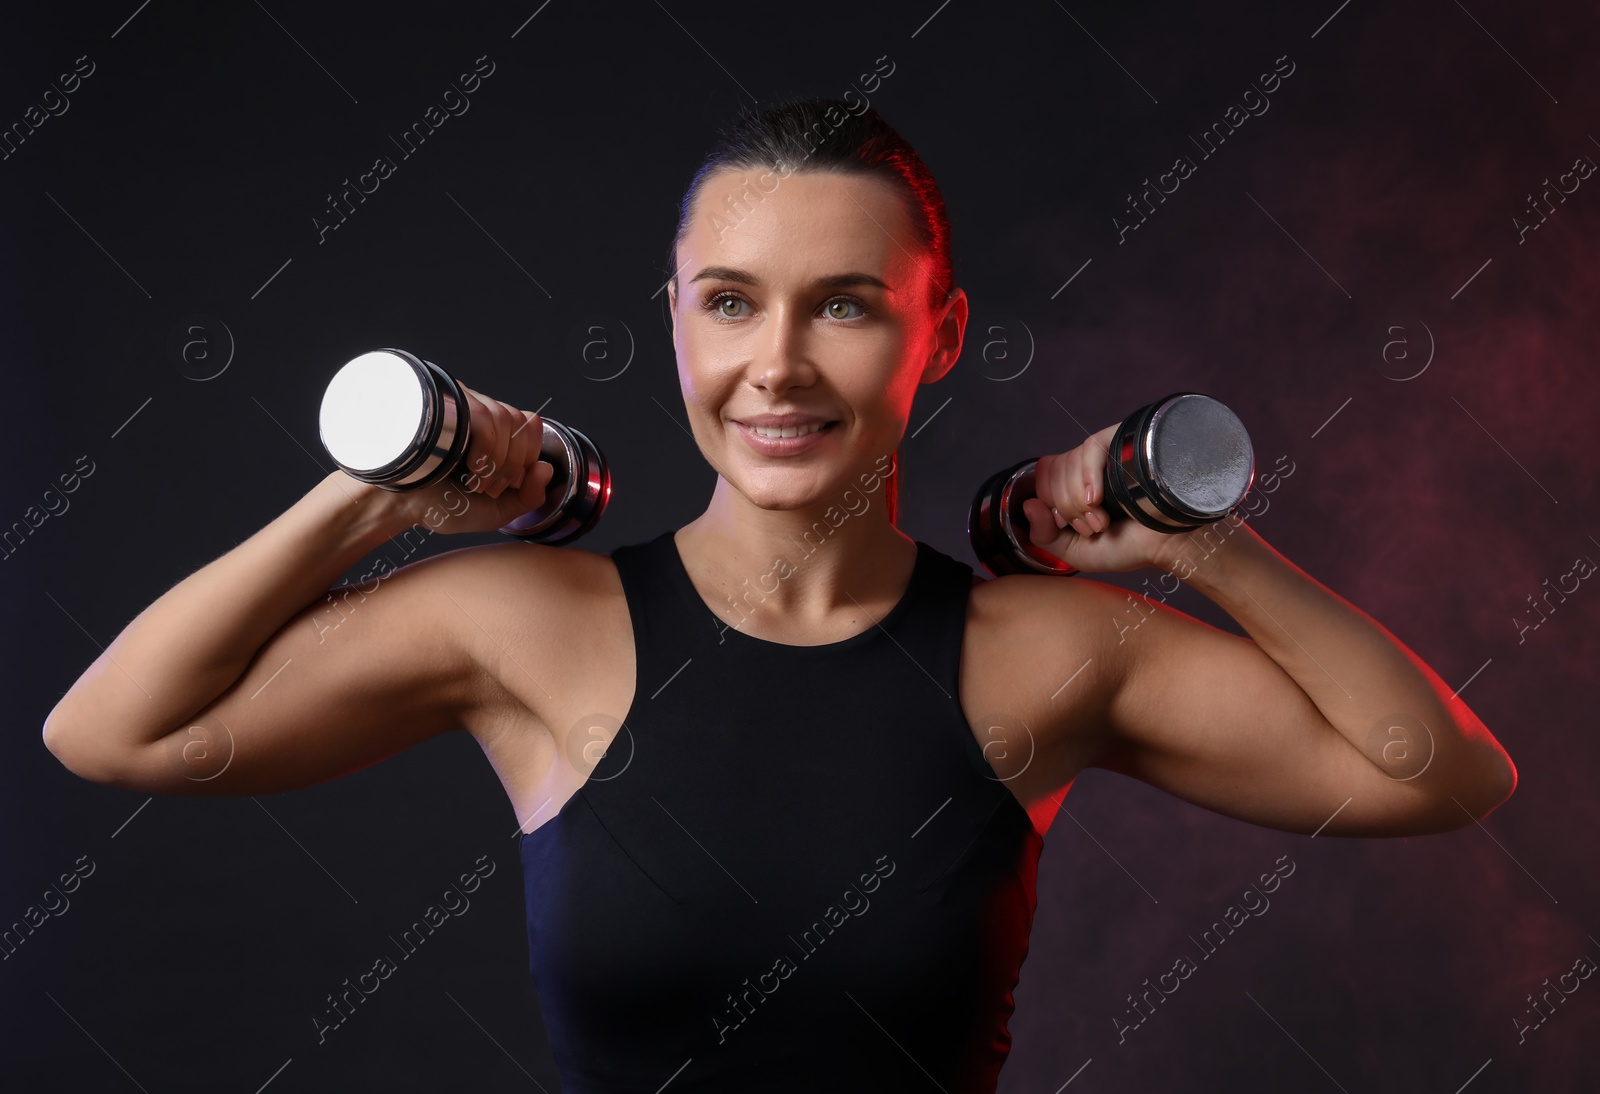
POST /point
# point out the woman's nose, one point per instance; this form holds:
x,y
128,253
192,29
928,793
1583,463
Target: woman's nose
x,y
782,358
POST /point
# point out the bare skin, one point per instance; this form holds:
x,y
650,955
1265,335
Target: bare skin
x,y
242,679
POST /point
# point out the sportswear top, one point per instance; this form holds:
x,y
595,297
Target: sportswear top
x,y
792,869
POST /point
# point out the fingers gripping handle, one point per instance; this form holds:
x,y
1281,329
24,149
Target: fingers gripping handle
x,y
579,486
1173,465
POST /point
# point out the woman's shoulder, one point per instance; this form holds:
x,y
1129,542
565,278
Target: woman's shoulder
x,y
520,604
524,573
1019,605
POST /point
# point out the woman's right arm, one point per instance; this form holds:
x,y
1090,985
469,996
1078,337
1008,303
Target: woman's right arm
x,y
253,675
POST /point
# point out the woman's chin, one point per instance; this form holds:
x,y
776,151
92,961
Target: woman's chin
x,y
805,496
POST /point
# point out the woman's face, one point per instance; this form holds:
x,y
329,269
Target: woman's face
x,y
804,295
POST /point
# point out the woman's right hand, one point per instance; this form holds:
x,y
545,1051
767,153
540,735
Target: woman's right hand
x,y
500,478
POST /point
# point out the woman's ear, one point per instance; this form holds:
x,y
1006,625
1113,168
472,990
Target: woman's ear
x,y
950,325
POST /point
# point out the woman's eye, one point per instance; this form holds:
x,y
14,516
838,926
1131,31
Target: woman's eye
x,y
839,308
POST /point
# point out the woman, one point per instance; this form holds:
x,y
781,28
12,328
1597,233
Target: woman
x,y
783,772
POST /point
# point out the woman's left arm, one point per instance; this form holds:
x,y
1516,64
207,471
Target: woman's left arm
x,y
1321,720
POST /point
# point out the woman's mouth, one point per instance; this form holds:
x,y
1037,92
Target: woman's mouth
x,y
786,440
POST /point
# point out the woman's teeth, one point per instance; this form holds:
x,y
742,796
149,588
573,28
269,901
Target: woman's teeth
x,y
787,431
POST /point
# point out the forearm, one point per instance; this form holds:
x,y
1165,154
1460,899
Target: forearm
x,y
1374,691
195,640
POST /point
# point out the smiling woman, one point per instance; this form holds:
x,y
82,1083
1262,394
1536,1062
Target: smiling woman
x,y
878,703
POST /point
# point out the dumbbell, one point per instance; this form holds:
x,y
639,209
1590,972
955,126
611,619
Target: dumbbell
x,y
1175,464
399,422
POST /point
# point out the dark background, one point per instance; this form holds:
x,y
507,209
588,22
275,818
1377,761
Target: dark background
x,y
1326,252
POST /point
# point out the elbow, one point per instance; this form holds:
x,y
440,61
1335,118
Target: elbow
x,y
1504,784
55,738
79,752
1500,782
66,747
1488,791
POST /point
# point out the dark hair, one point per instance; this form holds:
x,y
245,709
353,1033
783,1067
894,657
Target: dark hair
x,y
828,135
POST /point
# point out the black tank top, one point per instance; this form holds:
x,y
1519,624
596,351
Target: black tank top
x,y
793,869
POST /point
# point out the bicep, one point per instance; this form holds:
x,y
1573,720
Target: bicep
x,y
1209,717
358,675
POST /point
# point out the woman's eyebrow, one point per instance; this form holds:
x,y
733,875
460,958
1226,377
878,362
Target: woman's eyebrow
x,y
831,281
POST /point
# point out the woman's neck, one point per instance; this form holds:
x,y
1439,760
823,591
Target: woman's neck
x,y
810,571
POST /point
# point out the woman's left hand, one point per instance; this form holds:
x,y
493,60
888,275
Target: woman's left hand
x,y
1084,538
